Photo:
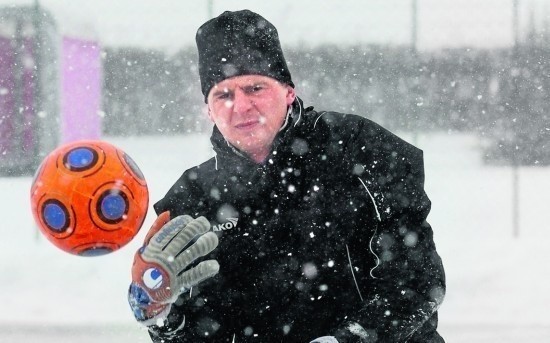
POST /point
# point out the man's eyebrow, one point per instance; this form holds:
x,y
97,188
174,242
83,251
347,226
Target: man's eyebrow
x,y
254,84
220,92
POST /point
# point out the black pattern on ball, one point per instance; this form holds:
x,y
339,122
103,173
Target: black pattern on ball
x,y
95,252
133,166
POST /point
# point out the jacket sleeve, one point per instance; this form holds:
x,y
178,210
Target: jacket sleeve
x,y
401,292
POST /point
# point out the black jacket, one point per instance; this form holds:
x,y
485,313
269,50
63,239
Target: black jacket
x,y
330,238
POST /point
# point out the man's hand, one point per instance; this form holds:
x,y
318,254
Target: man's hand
x,y
161,269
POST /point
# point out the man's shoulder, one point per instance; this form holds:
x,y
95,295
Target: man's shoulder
x,y
195,176
358,129
345,122
200,173
207,165
187,190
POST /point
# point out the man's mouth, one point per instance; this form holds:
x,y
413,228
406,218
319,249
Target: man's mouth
x,y
247,124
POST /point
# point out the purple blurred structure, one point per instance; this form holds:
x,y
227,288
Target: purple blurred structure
x,y
80,89
50,88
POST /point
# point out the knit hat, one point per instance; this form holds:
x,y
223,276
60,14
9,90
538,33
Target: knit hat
x,y
239,43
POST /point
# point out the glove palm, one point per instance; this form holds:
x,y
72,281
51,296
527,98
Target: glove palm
x,y
161,269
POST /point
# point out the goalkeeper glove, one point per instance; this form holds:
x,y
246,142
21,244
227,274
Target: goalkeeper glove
x,y
160,272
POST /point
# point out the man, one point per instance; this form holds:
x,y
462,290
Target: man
x,y
310,226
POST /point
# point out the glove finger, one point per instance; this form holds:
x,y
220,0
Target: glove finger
x,y
161,220
167,232
185,237
202,271
204,245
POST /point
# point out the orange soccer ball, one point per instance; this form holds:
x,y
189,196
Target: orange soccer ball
x,y
89,198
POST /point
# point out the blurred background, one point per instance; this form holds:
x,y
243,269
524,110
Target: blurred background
x,y
130,68
467,81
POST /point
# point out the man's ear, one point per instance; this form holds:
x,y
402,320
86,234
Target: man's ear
x,y
209,112
290,95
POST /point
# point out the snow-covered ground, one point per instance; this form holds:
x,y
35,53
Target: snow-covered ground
x,y
498,285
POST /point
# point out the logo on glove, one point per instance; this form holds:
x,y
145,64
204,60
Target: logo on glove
x,y
152,278
166,232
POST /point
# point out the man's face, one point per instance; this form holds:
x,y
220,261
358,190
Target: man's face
x,y
249,110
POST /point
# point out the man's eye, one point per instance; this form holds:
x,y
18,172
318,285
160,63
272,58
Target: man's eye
x,y
223,96
257,88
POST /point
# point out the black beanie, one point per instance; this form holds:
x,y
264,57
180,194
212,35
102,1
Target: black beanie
x,y
239,43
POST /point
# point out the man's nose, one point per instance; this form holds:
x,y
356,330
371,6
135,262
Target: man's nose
x,y
241,102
